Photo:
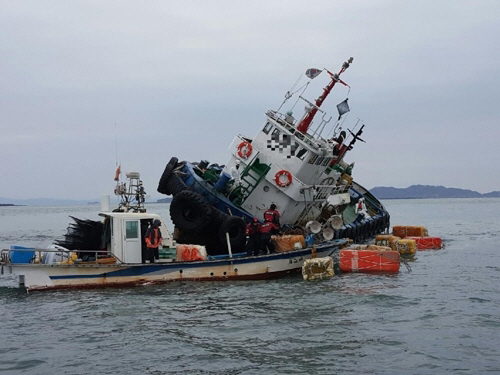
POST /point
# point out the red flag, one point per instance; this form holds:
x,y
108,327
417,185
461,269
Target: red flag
x,y
117,173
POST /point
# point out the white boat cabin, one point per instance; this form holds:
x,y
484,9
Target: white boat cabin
x,y
124,234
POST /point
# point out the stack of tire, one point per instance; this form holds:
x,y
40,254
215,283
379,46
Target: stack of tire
x,y
196,221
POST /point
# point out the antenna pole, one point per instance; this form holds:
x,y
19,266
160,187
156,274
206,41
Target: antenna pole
x,y
306,121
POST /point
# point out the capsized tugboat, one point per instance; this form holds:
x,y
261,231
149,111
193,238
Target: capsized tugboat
x,y
112,252
290,164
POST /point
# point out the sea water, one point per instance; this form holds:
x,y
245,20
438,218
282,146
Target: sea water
x,y
443,317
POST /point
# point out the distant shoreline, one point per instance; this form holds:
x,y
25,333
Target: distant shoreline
x,y
428,192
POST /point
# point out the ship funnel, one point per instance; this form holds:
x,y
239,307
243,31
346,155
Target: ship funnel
x,y
313,227
327,233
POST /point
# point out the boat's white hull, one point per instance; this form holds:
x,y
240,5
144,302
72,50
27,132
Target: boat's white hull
x,y
43,277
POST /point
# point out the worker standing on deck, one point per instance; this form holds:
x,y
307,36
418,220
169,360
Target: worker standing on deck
x,y
253,237
272,215
361,209
266,231
153,241
235,173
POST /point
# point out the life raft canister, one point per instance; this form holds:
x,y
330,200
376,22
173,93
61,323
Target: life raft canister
x,y
283,182
244,149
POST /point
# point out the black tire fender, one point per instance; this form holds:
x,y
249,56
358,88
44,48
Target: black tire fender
x,y
162,184
189,211
235,226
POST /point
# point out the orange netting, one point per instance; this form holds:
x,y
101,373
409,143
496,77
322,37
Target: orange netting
x,y
288,242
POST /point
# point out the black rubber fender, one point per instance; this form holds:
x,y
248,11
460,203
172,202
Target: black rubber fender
x,y
162,184
336,235
235,226
355,232
189,211
175,185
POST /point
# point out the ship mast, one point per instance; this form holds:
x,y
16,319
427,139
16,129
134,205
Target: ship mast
x,y
306,121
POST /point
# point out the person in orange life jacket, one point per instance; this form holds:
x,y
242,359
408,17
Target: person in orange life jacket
x,y
272,215
253,237
153,240
266,231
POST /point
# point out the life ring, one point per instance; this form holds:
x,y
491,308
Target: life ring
x,y
279,181
244,149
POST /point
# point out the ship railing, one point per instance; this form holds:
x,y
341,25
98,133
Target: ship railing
x,y
304,137
318,199
326,190
41,256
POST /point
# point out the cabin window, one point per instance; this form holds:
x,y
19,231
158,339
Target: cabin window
x,y
320,159
267,128
313,158
302,153
326,161
132,229
275,134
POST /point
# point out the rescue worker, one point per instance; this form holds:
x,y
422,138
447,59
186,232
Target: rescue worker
x,y
153,241
235,173
360,210
266,231
272,215
253,237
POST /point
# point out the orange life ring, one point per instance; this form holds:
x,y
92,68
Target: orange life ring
x,y
278,180
244,149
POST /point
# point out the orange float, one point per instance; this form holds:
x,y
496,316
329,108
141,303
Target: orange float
x,y
368,260
409,230
427,243
190,253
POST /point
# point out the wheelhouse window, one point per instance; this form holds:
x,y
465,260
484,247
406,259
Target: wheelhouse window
x,y
325,162
132,229
275,134
320,159
313,158
267,128
302,153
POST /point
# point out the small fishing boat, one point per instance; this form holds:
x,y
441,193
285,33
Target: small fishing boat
x,y
111,252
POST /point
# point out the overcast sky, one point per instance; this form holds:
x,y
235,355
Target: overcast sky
x,y
84,83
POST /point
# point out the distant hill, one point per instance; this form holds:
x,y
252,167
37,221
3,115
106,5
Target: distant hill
x,y
428,191
164,200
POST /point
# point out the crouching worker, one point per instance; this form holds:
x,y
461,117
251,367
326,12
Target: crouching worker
x,y
266,231
253,237
153,241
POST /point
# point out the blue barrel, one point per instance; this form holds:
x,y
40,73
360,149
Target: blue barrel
x,y
309,240
220,185
21,254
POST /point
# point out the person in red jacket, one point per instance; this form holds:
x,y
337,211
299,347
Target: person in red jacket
x,y
253,237
266,231
272,215
153,241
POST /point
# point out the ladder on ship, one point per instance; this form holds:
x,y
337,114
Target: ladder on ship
x,y
251,176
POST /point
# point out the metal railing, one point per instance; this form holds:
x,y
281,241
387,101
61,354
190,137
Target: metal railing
x,y
40,256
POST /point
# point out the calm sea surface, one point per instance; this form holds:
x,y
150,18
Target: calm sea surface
x,y
441,318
